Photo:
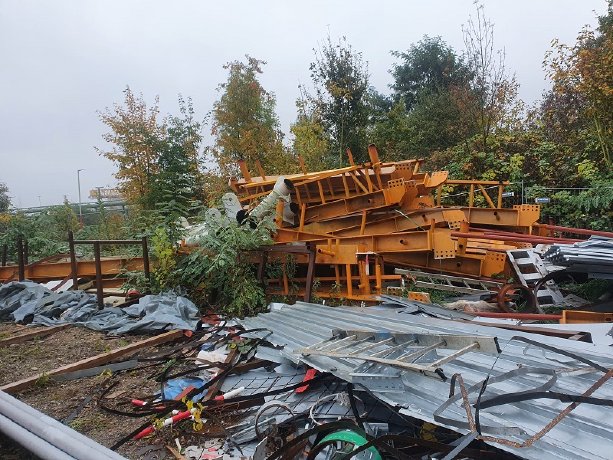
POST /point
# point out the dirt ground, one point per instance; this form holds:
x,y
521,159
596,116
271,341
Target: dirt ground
x,y
78,400
21,360
8,329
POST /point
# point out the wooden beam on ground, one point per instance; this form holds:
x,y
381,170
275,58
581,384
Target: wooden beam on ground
x,y
94,361
32,334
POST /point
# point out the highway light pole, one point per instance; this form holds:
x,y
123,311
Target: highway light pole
x,y
79,184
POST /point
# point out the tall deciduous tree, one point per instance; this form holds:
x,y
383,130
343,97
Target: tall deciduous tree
x,y
310,140
179,178
136,136
492,97
5,199
584,72
430,66
426,80
245,124
340,77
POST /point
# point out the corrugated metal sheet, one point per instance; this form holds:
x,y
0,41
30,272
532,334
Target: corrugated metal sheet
x,y
586,433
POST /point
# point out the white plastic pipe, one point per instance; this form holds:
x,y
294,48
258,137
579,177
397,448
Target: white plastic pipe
x,y
282,189
31,442
54,432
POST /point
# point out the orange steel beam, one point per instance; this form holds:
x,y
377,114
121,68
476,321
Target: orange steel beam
x,y
336,184
337,177
410,220
519,216
243,185
486,196
392,195
419,240
286,235
513,238
402,169
476,182
242,164
490,264
85,268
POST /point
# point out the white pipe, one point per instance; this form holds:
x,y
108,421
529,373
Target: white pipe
x,y
31,442
54,432
282,189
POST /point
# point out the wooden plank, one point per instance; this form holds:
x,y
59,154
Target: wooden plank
x,y
32,334
94,361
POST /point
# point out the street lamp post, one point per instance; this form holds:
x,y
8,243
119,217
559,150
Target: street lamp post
x,y
79,184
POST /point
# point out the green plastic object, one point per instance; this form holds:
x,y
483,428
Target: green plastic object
x,y
353,438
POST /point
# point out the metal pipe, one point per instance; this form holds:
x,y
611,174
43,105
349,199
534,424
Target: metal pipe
x,y
490,231
34,444
310,271
526,316
73,261
495,237
146,259
20,261
79,185
54,432
99,291
577,231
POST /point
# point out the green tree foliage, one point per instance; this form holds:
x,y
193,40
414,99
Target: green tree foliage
x,y
179,178
245,125
44,232
523,155
63,220
310,139
582,77
219,272
427,114
341,98
394,134
157,160
430,66
135,136
591,208
5,199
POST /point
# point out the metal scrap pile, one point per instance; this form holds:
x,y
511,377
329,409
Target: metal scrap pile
x,y
594,256
403,380
360,224
400,380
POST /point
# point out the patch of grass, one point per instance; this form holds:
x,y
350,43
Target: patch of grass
x,y
43,380
37,350
436,295
591,290
89,422
77,424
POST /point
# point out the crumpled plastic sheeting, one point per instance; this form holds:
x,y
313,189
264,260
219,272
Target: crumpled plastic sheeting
x,y
16,294
31,303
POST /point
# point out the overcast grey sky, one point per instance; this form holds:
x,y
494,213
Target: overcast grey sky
x,y
62,61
